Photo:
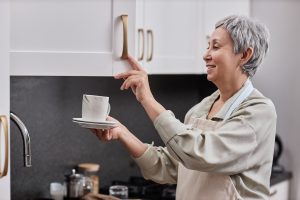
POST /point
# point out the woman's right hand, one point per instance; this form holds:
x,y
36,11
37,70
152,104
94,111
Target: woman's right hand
x,y
137,80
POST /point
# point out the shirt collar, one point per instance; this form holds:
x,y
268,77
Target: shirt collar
x,y
222,112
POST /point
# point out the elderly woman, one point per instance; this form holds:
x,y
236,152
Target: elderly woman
x,y
224,148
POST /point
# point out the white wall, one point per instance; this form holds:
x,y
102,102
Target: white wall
x,y
279,78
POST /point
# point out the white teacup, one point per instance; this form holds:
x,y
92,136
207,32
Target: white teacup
x,y
95,108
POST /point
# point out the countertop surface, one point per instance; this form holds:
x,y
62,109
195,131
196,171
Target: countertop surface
x,y
278,177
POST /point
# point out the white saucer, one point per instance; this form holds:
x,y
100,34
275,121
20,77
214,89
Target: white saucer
x,y
96,125
94,122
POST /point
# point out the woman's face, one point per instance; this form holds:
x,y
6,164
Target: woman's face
x,y
221,62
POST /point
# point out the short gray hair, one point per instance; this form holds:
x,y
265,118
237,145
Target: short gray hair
x,y
246,33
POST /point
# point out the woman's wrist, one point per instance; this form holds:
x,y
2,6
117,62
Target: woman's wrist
x,y
153,108
122,136
134,146
148,101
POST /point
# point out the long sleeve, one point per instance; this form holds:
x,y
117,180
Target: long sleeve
x,y
240,147
158,165
230,148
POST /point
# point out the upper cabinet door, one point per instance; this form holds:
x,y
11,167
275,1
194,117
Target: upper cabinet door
x,y
172,34
88,37
67,37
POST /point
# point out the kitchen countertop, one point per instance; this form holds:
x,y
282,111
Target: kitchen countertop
x,y
279,177
276,177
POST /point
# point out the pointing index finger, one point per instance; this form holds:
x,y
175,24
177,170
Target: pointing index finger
x,y
134,64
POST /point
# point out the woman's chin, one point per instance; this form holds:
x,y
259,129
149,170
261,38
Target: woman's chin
x,y
209,77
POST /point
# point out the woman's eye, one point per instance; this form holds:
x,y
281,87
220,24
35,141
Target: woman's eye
x,y
213,46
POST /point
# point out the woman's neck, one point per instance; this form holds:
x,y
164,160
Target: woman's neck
x,y
228,89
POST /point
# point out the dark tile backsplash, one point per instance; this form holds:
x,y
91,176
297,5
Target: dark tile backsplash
x,y
47,104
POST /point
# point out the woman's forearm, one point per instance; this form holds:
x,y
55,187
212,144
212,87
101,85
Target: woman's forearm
x,y
152,107
134,146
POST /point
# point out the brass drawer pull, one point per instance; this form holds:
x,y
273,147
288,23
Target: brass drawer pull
x,y
150,45
4,123
141,44
124,19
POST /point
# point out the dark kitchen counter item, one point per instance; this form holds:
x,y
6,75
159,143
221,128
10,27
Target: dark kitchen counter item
x,y
41,199
279,177
139,188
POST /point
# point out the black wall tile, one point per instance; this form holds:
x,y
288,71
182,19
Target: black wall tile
x,y
47,104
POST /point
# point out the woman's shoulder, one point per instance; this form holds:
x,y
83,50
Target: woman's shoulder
x,y
257,101
257,97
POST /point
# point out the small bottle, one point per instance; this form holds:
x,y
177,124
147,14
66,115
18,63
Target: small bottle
x,y
91,170
57,191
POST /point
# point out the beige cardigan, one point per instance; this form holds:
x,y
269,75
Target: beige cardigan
x,y
240,147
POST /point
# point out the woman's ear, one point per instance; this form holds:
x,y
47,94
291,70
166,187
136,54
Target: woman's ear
x,y
247,55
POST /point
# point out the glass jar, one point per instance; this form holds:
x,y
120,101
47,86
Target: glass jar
x,y
90,170
76,185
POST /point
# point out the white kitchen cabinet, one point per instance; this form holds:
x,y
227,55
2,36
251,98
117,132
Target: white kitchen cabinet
x,y
4,101
168,36
67,37
171,38
280,191
85,38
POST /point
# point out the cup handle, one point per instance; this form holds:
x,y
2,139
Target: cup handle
x,y
108,109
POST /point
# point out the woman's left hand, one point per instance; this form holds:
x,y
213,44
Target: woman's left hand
x,y
110,134
135,147
137,80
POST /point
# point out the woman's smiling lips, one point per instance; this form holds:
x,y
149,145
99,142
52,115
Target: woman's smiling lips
x,y
209,67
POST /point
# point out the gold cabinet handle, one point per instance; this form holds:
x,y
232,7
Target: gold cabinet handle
x,y
150,45
124,19
4,123
141,44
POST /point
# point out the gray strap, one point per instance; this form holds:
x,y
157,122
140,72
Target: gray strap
x,y
249,88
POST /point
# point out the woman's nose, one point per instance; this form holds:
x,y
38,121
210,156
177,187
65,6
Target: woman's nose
x,y
206,55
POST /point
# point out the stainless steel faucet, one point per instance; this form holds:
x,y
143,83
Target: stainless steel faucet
x,y
26,139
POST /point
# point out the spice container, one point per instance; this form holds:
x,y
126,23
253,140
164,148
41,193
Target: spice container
x,y
91,170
